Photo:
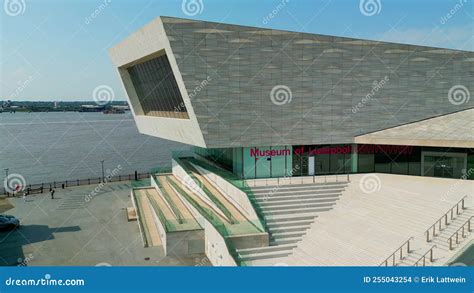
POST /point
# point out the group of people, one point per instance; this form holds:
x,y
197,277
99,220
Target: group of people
x,y
28,191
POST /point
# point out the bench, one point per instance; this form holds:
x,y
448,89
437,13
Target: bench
x,y
131,214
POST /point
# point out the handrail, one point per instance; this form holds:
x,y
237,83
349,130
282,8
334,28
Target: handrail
x,y
450,239
299,179
430,251
445,216
400,249
79,182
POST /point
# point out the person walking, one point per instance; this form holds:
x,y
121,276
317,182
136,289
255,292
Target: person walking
x,y
52,193
17,189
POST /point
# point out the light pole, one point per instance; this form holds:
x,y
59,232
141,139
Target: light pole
x,y
6,180
102,163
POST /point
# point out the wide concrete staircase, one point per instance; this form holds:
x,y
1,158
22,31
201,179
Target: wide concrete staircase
x,y
440,243
289,210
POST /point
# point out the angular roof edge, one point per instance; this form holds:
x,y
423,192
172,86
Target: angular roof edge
x,y
449,130
313,34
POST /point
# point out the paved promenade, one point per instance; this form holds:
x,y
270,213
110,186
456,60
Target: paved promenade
x,y
80,227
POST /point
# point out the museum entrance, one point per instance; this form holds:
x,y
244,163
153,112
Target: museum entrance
x,y
444,165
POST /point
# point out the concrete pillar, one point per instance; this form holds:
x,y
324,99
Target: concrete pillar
x,y
354,158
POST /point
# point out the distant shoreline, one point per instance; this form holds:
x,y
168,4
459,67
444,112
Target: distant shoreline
x,y
50,111
66,106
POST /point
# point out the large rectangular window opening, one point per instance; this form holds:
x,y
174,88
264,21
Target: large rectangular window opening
x,y
157,89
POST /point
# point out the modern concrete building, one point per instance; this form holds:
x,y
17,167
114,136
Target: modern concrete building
x,y
269,103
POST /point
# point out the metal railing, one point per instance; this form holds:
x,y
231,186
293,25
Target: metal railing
x,y
423,258
41,187
462,229
432,228
289,180
393,256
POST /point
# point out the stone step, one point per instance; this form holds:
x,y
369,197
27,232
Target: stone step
x,y
296,217
296,201
264,255
290,229
295,185
295,206
284,241
301,209
289,224
255,250
284,235
282,192
295,197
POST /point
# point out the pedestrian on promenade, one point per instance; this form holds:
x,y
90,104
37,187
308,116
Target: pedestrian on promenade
x,y
17,189
52,193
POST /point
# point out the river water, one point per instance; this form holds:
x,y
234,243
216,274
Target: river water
x,y
45,147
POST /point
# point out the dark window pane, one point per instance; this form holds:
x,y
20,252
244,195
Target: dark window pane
x,y
382,163
157,89
366,163
400,165
414,167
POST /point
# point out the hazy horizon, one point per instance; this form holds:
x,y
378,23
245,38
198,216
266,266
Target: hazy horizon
x,y
61,101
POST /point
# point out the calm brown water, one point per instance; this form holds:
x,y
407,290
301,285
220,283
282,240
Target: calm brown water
x,y
45,147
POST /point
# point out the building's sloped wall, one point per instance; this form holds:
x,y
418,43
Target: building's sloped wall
x,y
329,78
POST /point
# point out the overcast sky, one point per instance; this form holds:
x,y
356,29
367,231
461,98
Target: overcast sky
x,y
57,50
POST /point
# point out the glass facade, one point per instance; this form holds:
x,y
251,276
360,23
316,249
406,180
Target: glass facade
x,y
157,89
444,164
389,159
322,159
266,162
221,157
308,160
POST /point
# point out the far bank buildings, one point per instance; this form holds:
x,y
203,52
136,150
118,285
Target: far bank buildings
x,y
270,103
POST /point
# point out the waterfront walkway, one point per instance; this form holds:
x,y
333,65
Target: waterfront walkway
x,y
72,231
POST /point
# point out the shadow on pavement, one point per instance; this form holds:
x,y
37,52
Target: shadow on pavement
x,y
12,242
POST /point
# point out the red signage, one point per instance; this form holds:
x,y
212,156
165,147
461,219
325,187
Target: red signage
x,y
331,150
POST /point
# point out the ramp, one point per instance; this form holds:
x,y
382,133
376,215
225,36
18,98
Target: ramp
x,y
145,215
